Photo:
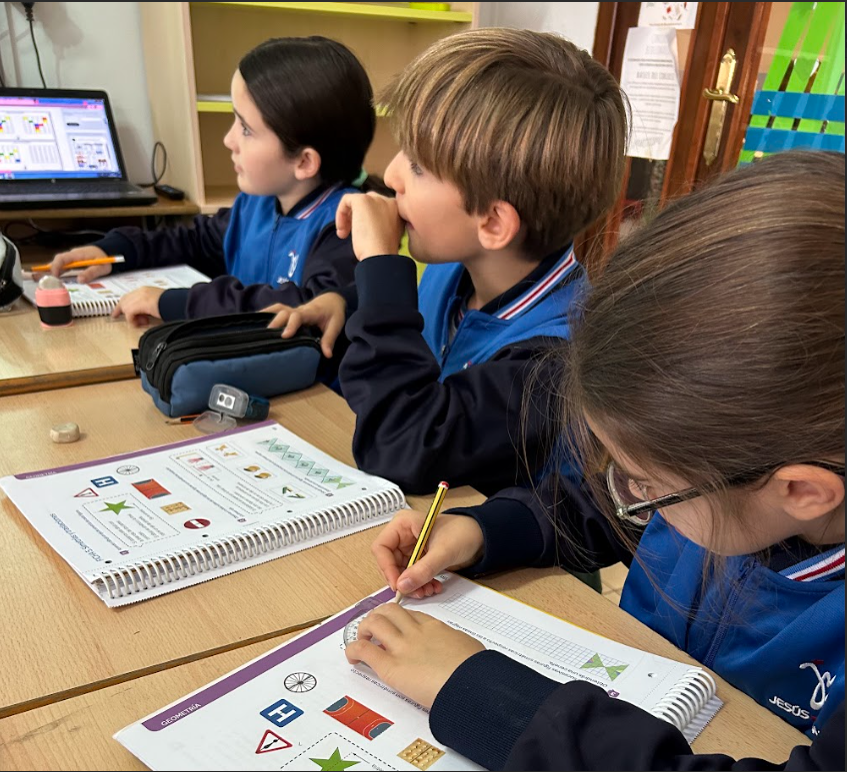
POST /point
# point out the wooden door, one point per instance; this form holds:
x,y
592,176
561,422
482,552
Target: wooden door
x,y
757,78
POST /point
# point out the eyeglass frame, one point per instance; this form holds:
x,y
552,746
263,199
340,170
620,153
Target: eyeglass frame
x,y
631,512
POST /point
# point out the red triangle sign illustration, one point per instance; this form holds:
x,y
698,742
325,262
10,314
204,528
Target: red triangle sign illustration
x,y
88,493
271,741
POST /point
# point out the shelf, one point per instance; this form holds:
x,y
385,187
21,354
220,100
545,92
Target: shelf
x,y
218,106
396,12
207,106
218,196
164,206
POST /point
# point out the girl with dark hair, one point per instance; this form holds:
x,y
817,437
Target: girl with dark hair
x,y
705,398
304,119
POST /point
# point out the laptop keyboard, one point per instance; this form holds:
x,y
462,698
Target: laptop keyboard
x,y
69,187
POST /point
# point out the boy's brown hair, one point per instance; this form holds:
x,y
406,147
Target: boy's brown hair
x,y
519,116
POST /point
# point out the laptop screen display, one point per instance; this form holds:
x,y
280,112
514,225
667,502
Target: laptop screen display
x,y
55,138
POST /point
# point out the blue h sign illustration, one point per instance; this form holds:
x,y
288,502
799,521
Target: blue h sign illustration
x,y
281,713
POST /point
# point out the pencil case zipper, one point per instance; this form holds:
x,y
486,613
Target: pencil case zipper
x,y
161,355
154,341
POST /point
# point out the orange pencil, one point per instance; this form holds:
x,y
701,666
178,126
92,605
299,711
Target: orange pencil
x,y
81,263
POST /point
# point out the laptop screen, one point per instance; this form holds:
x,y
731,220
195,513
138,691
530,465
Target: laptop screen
x,y
46,137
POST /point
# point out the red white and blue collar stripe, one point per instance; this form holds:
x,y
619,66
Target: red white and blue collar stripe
x,y
544,286
316,203
824,566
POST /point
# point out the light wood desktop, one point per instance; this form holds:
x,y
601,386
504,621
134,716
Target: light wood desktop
x,y
65,640
91,350
77,733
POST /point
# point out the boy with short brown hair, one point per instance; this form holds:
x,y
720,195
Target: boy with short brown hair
x,y
512,142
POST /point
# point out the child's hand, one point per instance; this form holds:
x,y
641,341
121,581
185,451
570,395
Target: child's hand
x,y
374,222
327,312
417,654
139,306
456,541
81,253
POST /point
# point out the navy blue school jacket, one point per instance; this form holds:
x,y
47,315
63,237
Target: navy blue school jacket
x,y
773,628
255,254
429,408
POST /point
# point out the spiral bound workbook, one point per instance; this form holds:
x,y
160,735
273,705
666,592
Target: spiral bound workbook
x,y
100,297
146,523
301,706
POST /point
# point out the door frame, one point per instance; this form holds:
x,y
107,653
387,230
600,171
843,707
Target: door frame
x,y
719,26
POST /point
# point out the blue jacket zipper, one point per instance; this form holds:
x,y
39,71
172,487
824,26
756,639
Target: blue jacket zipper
x,y
268,263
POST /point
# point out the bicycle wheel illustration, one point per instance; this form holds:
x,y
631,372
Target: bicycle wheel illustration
x,y
300,682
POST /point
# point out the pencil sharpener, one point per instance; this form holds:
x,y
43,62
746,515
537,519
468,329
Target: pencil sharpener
x,y
226,405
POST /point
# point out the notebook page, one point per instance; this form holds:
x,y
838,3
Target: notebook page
x,y
195,496
303,701
98,297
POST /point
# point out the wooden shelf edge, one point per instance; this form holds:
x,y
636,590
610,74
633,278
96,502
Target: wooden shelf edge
x,y
215,106
366,10
218,196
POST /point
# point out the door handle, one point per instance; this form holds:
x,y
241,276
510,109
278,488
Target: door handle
x,y
720,96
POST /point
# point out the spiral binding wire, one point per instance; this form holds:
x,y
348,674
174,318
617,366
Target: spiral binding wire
x,y
684,701
99,307
261,540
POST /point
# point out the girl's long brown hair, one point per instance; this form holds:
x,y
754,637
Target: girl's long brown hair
x,y
713,342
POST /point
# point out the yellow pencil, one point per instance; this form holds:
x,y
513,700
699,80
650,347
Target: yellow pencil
x,y
426,529
81,263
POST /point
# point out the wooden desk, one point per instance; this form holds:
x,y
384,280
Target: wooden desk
x,y
60,639
164,207
77,733
58,225
92,350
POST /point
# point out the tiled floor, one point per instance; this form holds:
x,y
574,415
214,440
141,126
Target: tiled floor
x,y
612,579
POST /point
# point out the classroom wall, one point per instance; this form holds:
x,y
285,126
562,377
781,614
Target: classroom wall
x,y
98,45
576,21
86,45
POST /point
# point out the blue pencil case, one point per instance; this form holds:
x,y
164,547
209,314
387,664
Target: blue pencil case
x,y
180,362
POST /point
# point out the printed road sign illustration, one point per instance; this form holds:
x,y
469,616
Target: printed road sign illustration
x,y
271,741
281,713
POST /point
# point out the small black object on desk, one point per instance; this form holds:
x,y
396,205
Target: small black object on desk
x,y
168,191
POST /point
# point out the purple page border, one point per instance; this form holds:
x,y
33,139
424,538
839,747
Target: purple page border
x,y
240,677
137,453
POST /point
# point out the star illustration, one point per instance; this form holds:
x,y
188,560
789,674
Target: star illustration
x,y
117,507
334,763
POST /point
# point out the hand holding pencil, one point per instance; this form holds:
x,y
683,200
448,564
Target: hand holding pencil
x,y
453,542
96,262
411,651
426,530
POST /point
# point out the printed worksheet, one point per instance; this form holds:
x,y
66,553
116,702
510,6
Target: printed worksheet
x,y
143,521
98,298
303,707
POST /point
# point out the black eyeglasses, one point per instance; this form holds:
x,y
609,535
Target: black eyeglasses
x,y
632,505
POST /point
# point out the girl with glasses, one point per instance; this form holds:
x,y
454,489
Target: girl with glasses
x,y
704,395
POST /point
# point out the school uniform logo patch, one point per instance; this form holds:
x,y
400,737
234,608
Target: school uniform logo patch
x,y
293,259
825,680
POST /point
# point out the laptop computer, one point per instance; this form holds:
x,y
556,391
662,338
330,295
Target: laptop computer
x,y
59,148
